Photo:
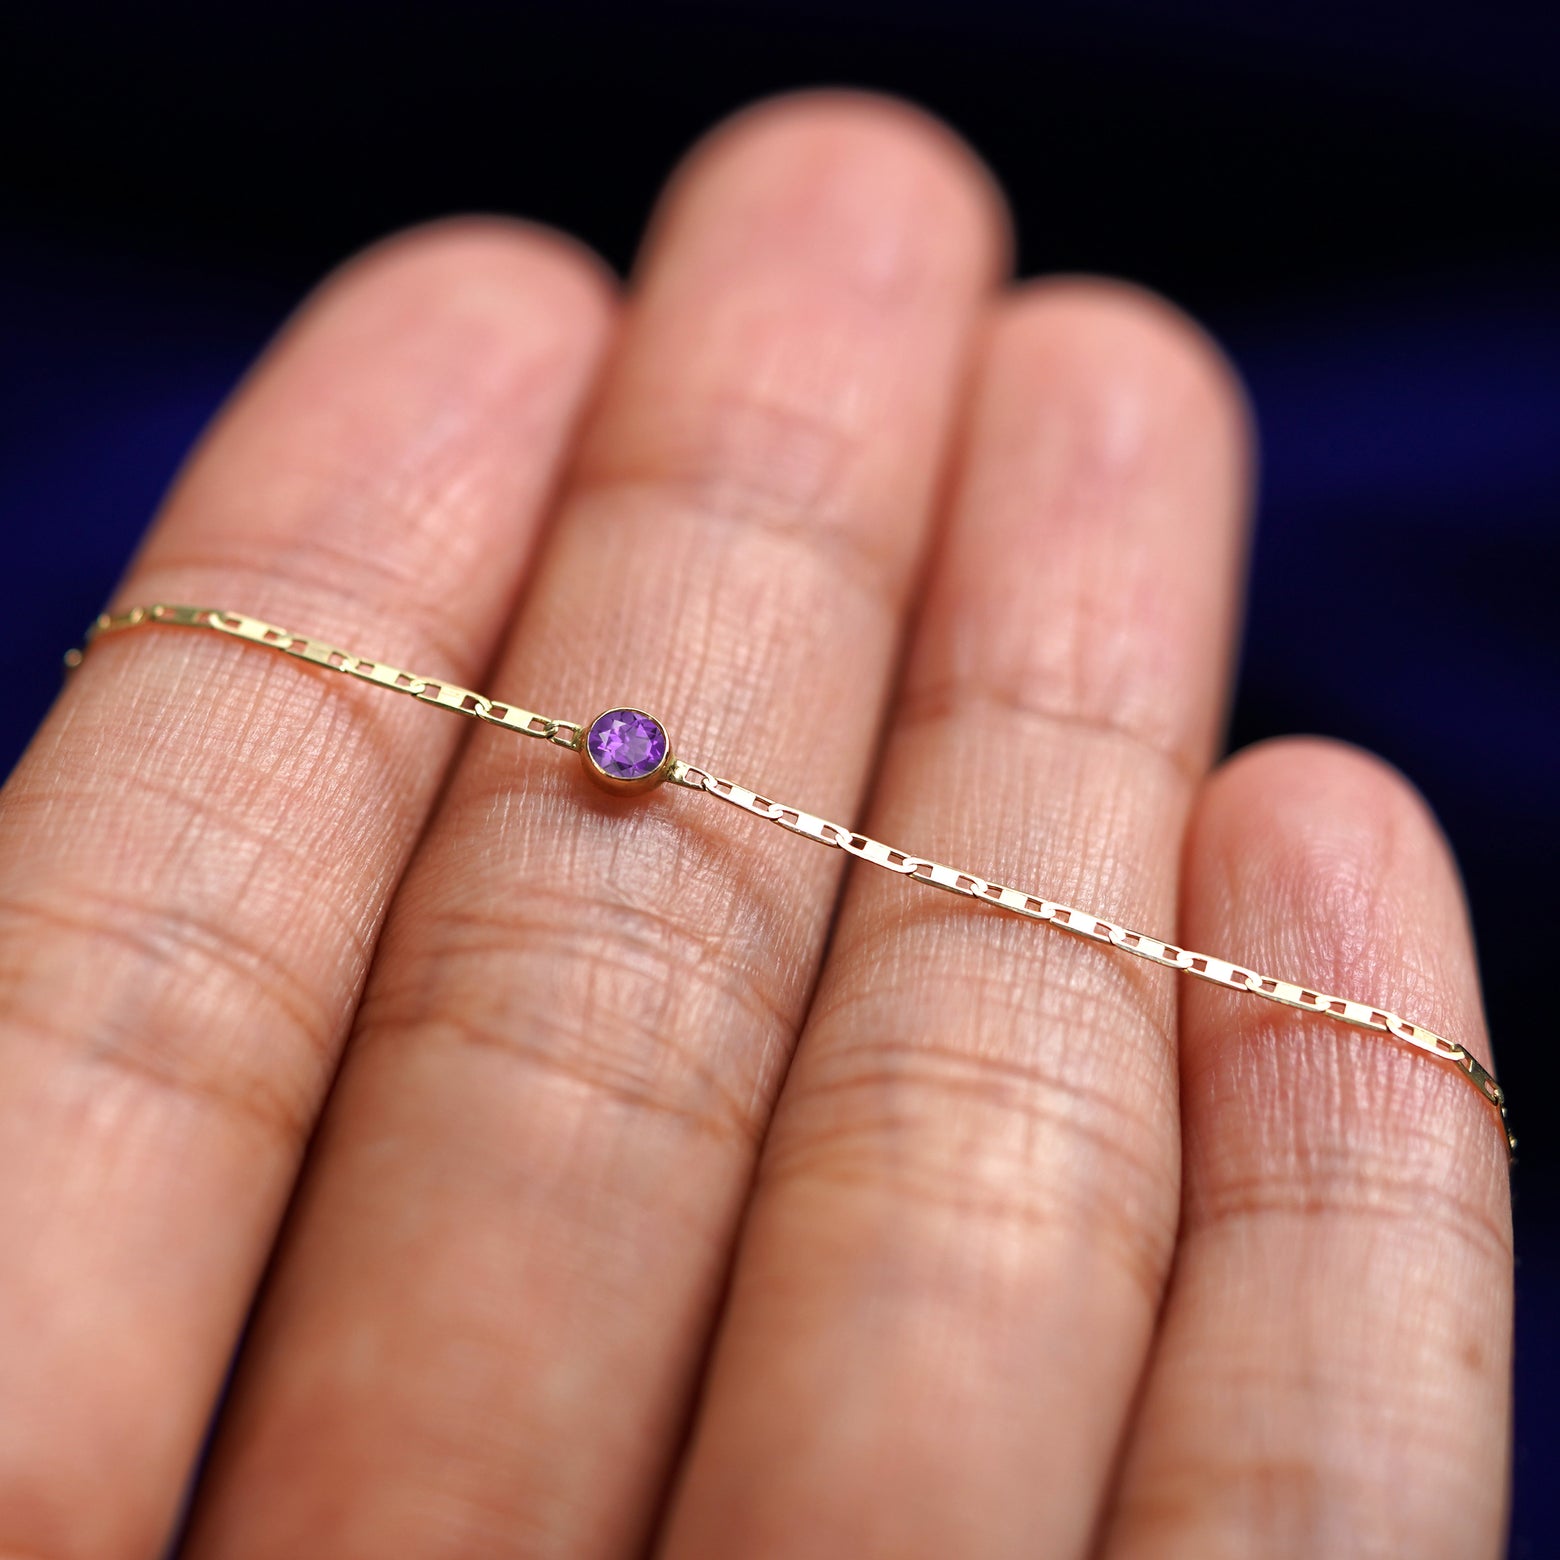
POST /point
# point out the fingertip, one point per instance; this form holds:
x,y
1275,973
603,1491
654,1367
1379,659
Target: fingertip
x,y
1325,855
1320,796
1132,354
876,156
511,269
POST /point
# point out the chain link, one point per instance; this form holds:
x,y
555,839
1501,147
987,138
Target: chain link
x,y
430,690
1203,966
918,869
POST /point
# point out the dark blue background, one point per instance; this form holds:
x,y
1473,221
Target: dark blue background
x,y
1354,197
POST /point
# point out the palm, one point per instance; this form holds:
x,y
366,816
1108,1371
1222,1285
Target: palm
x,y
946,1235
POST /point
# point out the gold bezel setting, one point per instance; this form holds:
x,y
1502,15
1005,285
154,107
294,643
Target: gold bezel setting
x,y
625,785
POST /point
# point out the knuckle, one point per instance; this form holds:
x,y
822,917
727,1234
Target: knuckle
x,y
1375,1193
1055,710
618,1073
180,1002
963,1120
1274,1493
779,469
611,1000
1316,1126
326,580
1271,1504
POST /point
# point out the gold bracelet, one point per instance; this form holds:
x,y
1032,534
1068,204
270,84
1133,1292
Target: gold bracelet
x,y
627,751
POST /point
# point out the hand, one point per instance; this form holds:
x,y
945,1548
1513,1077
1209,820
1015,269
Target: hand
x,y
664,1189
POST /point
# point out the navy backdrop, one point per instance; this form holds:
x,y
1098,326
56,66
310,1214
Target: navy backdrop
x,y
1353,197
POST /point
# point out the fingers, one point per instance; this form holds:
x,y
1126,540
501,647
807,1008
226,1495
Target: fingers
x,y
1332,1376
484,1328
196,852
951,1265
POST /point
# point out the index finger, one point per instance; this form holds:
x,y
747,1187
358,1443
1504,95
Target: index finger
x,y
197,850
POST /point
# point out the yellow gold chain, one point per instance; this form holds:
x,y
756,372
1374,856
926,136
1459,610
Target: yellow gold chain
x,y
431,690
463,701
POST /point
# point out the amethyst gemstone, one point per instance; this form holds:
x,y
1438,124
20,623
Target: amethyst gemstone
x,y
626,744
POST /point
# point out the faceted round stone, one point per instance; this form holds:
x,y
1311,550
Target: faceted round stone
x,y
626,744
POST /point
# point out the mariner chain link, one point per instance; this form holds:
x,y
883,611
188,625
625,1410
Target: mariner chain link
x,y
917,869
431,690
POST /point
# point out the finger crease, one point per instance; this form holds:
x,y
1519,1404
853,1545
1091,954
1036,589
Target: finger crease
x,y
954,702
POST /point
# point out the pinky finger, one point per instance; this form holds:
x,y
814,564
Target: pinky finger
x,y
1332,1374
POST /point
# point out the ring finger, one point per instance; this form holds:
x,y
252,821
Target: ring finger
x,y
967,1203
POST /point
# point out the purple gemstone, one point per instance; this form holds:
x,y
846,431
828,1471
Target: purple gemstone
x,y
626,744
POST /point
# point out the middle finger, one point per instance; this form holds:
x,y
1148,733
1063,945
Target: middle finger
x,y
484,1324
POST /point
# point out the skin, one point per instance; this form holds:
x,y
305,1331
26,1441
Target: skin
x,y
609,1176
